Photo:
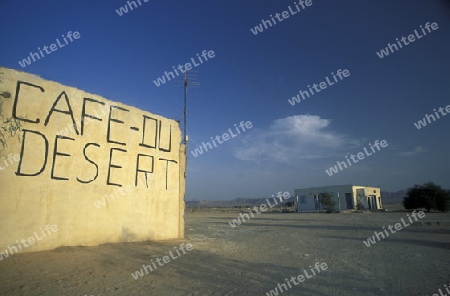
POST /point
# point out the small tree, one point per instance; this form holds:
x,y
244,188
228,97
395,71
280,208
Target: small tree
x,y
428,196
441,200
417,197
290,204
326,199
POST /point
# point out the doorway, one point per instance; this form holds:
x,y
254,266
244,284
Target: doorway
x,y
349,200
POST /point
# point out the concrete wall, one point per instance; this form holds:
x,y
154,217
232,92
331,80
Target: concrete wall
x,y
98,170
367,192
309,206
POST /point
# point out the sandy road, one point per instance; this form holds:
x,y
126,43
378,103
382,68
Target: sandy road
x,y
250,259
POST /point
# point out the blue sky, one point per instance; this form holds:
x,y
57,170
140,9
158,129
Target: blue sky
x,y
252,77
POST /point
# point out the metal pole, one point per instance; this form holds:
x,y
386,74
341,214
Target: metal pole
x,y
184,111
339,201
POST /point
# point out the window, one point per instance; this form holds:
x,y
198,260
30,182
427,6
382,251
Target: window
x,y
303,199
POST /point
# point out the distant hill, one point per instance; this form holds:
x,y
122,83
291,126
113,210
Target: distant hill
x,y
393,196
385,196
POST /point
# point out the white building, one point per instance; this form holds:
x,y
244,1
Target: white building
x,y
346,197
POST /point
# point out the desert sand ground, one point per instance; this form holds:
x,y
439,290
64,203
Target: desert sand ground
x,y
250,259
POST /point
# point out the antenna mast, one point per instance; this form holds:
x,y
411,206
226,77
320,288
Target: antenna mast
x,y
192,83
186,82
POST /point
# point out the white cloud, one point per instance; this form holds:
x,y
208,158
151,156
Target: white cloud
x,y
417,150
291,139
